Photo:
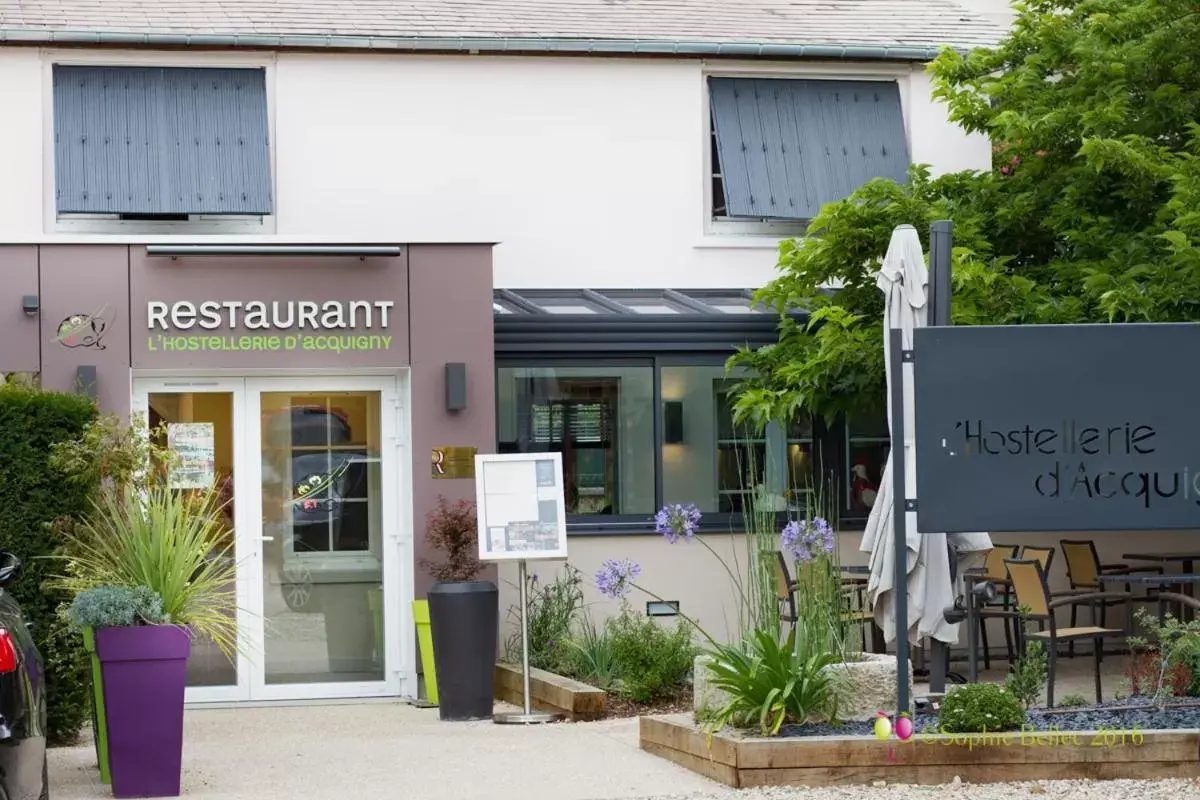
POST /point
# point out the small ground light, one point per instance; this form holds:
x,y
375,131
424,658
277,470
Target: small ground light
x,y
664,608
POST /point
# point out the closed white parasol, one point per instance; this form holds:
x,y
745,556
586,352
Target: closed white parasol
x,y
904,280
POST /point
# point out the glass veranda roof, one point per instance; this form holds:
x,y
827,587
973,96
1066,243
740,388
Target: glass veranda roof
x,y
644,302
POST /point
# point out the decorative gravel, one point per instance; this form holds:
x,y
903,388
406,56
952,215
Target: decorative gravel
x,y
1117,715
1051,790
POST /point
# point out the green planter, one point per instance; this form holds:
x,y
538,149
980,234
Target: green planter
x,y
99,720
425,641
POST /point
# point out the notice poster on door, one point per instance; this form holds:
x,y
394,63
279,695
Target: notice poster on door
x,y
520,507
193,451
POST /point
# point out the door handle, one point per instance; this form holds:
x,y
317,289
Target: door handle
x,y
268,538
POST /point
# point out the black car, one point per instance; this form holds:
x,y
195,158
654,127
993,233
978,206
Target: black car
x,y
22,699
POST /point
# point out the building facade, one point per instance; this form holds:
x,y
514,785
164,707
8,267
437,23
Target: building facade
x,y
280,237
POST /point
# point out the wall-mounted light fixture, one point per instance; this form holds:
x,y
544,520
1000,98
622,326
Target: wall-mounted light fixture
x,y
85,380
456,386
673,422
29,304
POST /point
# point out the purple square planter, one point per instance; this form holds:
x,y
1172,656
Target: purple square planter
x,y
144,669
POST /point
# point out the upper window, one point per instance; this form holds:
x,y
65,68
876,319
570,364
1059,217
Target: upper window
x,y
782,148
161,144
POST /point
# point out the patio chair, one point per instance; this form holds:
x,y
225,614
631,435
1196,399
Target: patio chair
x,y
852,595
1045,555
1182,601
856,612
1032,590
1001,608
1042,554
1083,572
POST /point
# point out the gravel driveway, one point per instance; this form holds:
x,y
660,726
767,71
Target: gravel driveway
x,y
1060,790
390,750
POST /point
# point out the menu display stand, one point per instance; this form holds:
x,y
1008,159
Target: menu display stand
x,y
522,517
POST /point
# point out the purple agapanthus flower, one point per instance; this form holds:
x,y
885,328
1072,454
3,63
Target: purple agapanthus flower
x,y
677,521
614,578
807,539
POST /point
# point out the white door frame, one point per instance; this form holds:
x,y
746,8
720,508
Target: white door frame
x,y
397,545
243,515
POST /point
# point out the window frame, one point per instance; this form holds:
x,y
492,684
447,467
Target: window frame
x,y
762,230
826,453
249,224
585,523
845,482
373,500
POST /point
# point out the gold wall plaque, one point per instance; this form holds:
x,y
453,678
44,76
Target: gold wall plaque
x,y
454,462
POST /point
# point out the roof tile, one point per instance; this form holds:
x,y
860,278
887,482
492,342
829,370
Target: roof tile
x,y
880,23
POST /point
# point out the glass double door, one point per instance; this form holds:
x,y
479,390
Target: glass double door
x,y
302,465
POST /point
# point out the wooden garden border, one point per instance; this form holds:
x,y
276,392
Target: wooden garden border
x,y
743,762
576,701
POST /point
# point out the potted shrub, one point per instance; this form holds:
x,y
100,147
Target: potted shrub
x,y
149,569
464,614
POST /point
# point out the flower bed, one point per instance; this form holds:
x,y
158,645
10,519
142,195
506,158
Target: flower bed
x,y
1127,716
854,756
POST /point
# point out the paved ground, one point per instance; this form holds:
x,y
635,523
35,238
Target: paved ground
x,y
389,750
369,751
384,751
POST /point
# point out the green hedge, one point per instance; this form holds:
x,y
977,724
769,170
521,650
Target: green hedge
x,y
32,495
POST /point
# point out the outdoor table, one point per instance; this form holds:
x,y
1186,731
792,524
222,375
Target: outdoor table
x,y
1186,581
1187,562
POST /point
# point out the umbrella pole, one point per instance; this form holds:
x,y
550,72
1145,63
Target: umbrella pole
x,y
900,520
941,243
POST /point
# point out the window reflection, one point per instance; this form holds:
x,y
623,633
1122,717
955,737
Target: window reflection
x,y
602,422
722,466
867,445
207,665
323,516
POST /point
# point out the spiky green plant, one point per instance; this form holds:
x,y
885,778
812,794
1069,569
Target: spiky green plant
x,y
172,542
771,682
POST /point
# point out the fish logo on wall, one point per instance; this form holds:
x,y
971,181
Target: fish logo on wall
x,y
83,330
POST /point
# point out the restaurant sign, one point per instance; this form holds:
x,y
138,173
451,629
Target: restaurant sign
x,y
1056,428
275,325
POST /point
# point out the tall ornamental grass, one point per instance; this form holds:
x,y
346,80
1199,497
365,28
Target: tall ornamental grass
x,y
173,543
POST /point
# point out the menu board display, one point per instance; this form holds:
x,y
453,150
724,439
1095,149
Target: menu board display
x,y
520,506
193,449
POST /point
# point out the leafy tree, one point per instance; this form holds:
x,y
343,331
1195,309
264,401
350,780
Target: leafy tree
x,y
1091,212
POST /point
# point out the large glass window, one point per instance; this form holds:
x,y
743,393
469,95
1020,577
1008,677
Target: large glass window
x,y
743,456
602,421
198,426
867,443
719,465
641,434
321,451
322,512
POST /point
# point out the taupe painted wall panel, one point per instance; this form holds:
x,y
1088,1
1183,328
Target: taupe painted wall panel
x,y
451,322
85,319
282,284
20,348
